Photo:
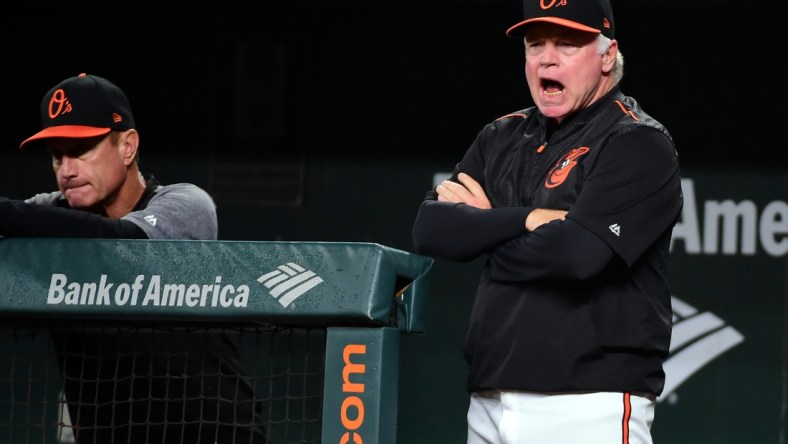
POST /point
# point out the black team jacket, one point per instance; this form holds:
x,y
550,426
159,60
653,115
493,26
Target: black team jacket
x,y
576,305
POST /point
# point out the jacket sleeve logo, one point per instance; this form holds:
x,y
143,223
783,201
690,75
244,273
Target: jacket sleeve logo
x,y
561,170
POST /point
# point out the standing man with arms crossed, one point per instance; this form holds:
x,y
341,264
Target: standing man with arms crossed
x,y
574,201
88,128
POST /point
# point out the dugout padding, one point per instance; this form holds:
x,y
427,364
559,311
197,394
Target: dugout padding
x,y
277,302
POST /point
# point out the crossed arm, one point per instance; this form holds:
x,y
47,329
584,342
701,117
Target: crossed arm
x,y
522,243
469,192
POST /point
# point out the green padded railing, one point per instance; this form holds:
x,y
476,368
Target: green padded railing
x,y
359,294
287,282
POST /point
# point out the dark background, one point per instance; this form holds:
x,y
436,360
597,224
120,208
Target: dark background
x,y
269,104
326,120
385,79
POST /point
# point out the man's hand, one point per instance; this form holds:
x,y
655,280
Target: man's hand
x,y
541,216
468,191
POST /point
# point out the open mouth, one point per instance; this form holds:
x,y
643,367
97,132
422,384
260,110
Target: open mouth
x,y
552,88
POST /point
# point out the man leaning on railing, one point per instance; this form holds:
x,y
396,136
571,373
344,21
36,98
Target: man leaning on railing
x,y
89,130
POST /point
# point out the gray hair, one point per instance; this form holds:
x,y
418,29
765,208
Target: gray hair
x,y
603,43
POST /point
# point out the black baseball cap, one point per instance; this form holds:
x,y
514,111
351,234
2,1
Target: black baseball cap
x,y
83,106
594,16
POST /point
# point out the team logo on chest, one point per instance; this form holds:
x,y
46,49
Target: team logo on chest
x,y
561,170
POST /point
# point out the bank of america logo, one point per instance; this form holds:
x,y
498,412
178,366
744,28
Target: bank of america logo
x,y
698,338
289,281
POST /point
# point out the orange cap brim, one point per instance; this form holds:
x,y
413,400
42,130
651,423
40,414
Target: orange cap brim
x,y
66,131
558,21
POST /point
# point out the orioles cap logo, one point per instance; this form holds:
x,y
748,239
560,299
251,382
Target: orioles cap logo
x,y
59,104
561,170
551,4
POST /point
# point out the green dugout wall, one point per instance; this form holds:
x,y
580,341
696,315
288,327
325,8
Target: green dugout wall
x,y
365,295
728,369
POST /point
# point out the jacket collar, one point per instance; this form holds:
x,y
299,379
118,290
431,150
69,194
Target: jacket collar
x,y
584,115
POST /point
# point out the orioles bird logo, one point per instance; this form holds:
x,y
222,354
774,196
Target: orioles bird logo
x,y
561,170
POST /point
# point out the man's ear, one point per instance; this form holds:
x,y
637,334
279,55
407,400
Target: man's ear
x,y
609,56
129,143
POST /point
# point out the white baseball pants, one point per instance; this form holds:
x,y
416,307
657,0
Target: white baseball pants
x,y
519,417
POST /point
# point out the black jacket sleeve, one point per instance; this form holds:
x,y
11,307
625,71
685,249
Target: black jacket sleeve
x,y
635,188
461,232
557,250
21,219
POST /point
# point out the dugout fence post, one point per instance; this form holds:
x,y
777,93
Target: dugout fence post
x,y
360,390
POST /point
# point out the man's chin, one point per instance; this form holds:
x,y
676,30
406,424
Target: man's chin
x,y
555,113
79,201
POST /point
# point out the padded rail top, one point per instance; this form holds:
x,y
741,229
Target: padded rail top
x,y
310,283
